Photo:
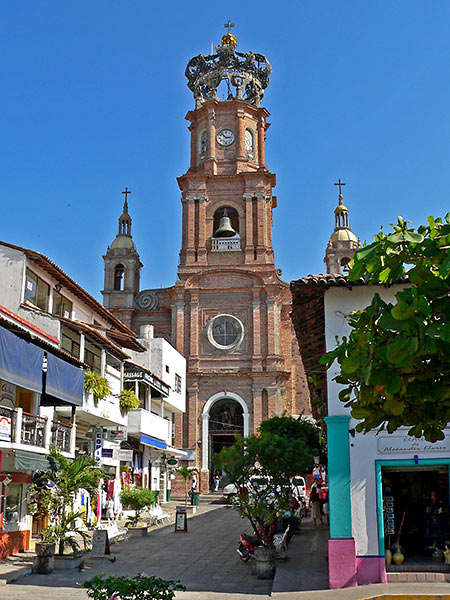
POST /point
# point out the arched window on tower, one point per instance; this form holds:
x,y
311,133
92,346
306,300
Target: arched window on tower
x,y
203,145
344,264
119,272
249,143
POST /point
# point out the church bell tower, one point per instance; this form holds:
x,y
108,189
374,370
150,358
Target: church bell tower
x,y
122,269
230,307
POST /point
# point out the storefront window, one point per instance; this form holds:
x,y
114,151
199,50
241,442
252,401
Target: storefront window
x,y
416,511
12,503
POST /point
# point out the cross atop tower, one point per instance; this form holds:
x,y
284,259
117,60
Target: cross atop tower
x,y
127,191
229,25
340,184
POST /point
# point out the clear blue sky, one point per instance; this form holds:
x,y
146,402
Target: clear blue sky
x,y
94,98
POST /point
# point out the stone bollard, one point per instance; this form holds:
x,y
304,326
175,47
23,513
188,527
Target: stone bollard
x,y
45,558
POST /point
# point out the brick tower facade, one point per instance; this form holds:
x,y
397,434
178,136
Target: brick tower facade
x,y
228,312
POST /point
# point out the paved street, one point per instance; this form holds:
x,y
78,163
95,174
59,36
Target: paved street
x,y
206,562
204,559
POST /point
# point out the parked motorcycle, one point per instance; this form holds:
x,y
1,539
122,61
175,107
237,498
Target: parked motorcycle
x,y
247,545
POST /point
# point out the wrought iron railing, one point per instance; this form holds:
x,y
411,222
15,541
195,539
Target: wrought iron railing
x,y
61,436
33,430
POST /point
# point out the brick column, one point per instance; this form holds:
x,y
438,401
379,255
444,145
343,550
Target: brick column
x,y
249,257
201,250
261,142
272,334
256,306
257,407
194,327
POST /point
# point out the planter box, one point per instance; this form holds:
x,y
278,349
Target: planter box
x,y
67,562
265,562
44,561
137,531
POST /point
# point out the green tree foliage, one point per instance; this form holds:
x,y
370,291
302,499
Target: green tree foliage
x,y
395,364
187,474
52,494
137,499
274,455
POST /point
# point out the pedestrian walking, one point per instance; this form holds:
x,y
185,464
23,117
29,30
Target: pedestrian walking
x,y
217,479
314,502
323,474
316,474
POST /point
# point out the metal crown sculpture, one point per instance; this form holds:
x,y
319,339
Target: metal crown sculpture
x,y
247,72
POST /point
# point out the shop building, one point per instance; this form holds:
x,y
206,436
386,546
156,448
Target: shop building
x,y
40,297
36,377
379,485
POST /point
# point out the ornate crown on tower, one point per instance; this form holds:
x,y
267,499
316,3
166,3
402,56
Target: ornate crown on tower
x,y
247,72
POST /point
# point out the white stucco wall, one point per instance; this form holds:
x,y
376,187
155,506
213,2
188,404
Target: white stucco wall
x,y
366,449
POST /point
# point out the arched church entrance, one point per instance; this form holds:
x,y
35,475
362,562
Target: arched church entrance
x,y
225,421
224,415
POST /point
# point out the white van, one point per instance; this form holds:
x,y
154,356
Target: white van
x,y
298,485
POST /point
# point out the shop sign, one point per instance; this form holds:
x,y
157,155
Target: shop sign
x,y
190,454
5,428
107,452
172,462
180,519
117,435
405,444
138,375
123,455
98,444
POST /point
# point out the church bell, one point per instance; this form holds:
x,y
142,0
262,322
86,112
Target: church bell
x,y
225,228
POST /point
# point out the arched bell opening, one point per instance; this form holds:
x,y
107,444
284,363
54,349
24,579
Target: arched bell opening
x,y
226,223
119,273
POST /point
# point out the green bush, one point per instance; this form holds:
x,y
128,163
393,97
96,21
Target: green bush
x,y
137,499
140,587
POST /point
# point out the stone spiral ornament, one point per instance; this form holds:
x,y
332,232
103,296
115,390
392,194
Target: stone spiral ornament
x,y
147,300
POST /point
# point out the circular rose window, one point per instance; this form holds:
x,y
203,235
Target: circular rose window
x,y
225,332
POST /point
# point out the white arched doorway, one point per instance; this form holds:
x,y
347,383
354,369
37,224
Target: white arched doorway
x,y
222,398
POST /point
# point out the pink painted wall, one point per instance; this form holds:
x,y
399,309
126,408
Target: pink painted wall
x,y
370,569
342,563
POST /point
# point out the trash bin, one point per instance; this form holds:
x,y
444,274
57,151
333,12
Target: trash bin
x,y
195,498
168,495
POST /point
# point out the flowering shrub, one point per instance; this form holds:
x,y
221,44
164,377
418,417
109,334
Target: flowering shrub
x,y
141,587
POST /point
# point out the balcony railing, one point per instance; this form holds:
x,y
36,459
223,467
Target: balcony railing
x,y
225,245
61,436
33,430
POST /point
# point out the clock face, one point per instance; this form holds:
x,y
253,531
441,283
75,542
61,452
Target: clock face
x,y
225,137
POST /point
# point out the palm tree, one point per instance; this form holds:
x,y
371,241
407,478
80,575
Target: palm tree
x,y
65,478
187,474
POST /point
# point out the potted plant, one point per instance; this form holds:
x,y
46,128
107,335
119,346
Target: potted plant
x,y
97,385
261,467
52,494
141,587
137,499
128,401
